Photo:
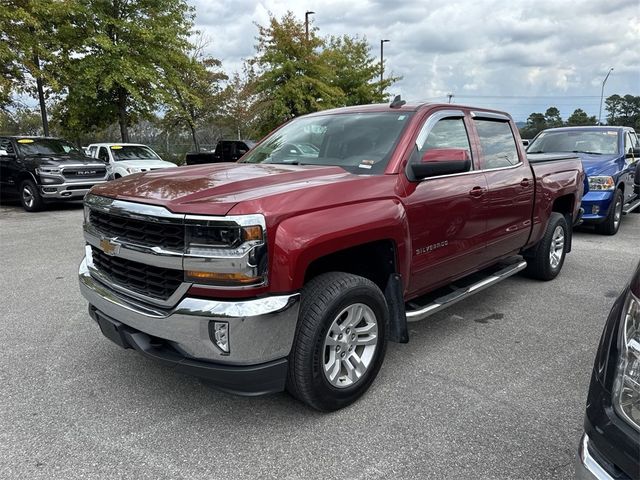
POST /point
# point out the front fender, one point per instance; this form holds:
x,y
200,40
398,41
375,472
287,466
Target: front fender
x,y
301,239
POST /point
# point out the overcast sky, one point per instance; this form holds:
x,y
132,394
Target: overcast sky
x,y
514,55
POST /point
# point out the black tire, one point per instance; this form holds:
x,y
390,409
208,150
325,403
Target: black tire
x,y
611,224
323,299
539,262
30,197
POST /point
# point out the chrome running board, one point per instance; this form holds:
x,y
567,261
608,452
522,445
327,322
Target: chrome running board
x,y
632,206
462,293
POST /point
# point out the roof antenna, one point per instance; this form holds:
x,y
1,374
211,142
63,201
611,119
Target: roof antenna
x,y
397,102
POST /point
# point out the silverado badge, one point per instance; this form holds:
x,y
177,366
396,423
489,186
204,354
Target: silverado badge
x,y
109,246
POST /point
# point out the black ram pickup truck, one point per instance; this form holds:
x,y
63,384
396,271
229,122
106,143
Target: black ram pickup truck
x,y
41,169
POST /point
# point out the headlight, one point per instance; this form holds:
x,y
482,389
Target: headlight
x,y
133,170
226,253
601,183
626,387
49,171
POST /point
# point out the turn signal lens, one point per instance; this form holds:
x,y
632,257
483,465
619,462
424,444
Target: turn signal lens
x,y
252,233
220,278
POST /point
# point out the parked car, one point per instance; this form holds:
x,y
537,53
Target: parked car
x,y
282,271
40,169
610,446
127,158
610,156
225,151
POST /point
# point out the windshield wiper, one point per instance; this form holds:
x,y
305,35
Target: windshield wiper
x,y
537,151
588,153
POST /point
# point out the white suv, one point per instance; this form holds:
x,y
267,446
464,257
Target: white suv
x,y
127,158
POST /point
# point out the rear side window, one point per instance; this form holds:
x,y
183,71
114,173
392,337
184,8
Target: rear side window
x,y
498,144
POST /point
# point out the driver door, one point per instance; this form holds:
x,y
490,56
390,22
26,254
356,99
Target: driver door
x,y
446,213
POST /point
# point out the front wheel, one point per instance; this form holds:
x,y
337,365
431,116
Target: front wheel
x,y
611,224
30,196
340,341
545,260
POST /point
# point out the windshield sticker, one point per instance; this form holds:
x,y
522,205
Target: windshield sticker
x,y
611,132
25,140
116,147
402,117
364,165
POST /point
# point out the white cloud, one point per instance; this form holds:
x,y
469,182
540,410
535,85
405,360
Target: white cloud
x,y
519,56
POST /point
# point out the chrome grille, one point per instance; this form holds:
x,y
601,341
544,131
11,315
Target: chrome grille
x,y
155,282
76,174
148,233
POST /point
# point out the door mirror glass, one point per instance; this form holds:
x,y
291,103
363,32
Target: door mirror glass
x,y
3,153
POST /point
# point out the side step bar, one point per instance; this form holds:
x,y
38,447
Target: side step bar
x,y
631,207
462,293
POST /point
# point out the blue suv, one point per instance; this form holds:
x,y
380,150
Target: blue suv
x,y
610,156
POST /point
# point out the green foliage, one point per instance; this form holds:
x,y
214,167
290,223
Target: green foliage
x,y
623,111
295,76
126,57
535,124
552,117
21,121
579,117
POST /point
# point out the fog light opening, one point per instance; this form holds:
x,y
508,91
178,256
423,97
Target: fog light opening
x,y
219,334
595,210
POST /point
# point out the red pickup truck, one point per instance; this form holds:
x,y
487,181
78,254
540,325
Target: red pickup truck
x,y
294,267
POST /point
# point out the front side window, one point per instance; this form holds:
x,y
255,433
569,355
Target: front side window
x,y
133,152
6,145
46,146
358,142
498,144
447,133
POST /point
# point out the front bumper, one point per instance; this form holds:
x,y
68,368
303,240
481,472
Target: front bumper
x,y
261,333
587,467
67,190
596,205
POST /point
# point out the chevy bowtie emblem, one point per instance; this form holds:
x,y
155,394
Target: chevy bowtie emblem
x,y
110,247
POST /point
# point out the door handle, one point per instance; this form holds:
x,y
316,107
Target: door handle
x,y
476,192
524,182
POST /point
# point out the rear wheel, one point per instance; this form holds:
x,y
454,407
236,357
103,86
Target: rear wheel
x,y
30,196
545,260
340,341
611,224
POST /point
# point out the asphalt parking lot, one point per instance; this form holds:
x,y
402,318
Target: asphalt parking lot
x,y
493,388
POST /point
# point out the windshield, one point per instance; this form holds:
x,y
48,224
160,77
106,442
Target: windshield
x,y
133,152
597,142
46,146
357,142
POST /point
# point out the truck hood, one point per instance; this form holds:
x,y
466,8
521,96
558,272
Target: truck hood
x,y
602,164
215,189
62,160
146,164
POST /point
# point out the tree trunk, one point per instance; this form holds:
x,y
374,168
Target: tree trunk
x,y
122,115
40,87
196,144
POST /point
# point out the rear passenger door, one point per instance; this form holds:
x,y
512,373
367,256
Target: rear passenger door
x,y
8,163
630,144
511,185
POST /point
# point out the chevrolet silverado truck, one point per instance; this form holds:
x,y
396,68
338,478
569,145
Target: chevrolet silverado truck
x,y
610,156
42,169
293,271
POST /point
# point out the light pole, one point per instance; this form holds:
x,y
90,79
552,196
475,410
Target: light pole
x,y
450,96
306,23
602,94
382,42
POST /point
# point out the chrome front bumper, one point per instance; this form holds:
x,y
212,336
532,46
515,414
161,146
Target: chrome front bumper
x,y
260,330
67,190
587,467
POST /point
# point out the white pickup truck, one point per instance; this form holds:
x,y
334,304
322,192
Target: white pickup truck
x,y
127,158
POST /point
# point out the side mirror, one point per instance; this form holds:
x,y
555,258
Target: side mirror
x,y
3,153
442,161
634,153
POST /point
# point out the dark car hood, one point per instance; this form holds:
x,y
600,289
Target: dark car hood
x,y
601,164
62,160
214,189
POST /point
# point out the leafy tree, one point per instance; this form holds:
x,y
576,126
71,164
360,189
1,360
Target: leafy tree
x,y
552,117
535,124
238,112
355,71
623,111
21,121
125,62
612,106
580,117
291,78
194,91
